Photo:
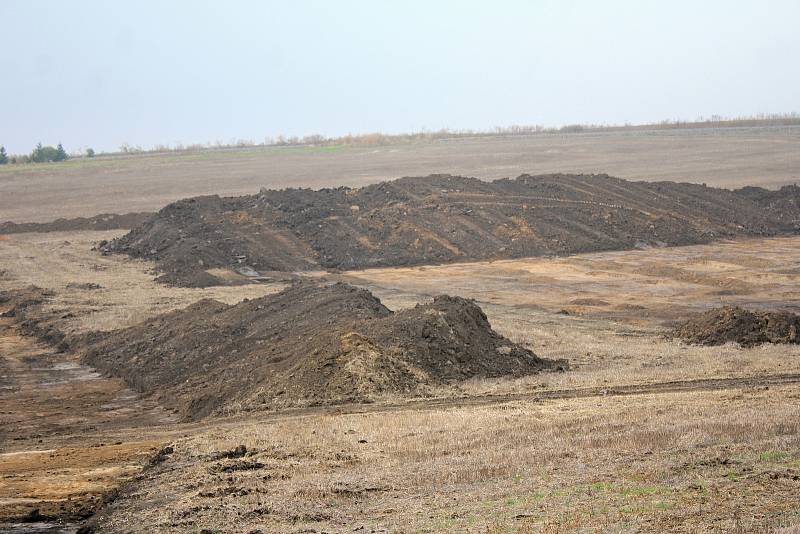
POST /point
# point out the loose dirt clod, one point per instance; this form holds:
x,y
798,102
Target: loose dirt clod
x,y
21,299
735,324
440,219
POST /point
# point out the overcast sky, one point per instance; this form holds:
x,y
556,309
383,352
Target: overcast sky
x,y
104,73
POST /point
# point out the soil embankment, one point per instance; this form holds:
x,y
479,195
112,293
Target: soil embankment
x,y
442,218
308,345
104,221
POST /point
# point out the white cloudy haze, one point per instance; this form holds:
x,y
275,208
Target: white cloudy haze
x,y
105,73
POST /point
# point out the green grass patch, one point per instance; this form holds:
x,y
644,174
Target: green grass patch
x,y
773,456
602,486
641,490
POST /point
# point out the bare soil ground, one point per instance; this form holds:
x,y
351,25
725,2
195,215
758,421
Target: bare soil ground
x,y
724,157
643,433
58,412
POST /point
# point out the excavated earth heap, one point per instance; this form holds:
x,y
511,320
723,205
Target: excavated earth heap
x,y
735,324
442,218
308,345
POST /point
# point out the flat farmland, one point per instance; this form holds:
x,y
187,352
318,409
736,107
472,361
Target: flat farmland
x,y
724,157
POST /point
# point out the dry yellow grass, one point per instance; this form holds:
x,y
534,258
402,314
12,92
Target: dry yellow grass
x,y
700,461
128,293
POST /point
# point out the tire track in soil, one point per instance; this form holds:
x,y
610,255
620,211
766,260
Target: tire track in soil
x,y
672,386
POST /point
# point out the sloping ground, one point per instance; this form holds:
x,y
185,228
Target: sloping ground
x,y
738,325
307,345
442,218
104,221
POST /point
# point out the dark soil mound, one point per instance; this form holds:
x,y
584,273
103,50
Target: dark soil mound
x,y
439,219
104,221
783,204
307,345
748,328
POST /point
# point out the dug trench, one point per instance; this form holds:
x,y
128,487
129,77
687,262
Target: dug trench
x,y
104,221
65,439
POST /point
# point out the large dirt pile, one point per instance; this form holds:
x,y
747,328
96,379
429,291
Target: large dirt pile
x,y
104,221
439,219
783,204
735,324
307,345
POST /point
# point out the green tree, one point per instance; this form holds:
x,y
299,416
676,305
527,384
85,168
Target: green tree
x,y
90,152
3,155
61,154
37,156
44,154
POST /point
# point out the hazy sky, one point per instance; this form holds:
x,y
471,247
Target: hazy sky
x,y
104,73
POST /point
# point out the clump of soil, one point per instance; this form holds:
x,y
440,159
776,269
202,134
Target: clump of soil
x,y
735,324
783,204
589,302
439,219
84,285
308,345
17,301
104,221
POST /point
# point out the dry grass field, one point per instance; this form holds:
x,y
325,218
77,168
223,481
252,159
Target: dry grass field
x,y
700,461
725,157
642,434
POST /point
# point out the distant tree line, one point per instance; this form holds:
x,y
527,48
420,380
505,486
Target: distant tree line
x,y
43,154
379,138
40,154
46,154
